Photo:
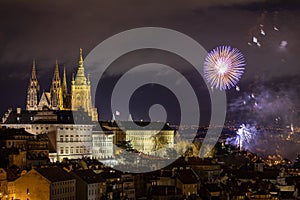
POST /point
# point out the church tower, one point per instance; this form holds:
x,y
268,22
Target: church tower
x,y
65,95
81,91
56,90
33,91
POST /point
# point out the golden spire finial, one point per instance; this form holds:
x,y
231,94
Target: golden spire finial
x,y
80,58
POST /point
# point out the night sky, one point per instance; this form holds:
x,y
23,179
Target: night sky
x,y
50,30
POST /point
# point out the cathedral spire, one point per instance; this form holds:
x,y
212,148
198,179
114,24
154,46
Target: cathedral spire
x,y
55,90
56,72
33,90
64,83
80,63
33,72
80,76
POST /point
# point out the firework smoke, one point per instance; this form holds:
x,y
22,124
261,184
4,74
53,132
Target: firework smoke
x,y
272,108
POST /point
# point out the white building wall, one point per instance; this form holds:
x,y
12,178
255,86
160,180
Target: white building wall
x,y
74,141
102,145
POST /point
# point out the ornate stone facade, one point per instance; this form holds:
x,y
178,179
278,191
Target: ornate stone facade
x,y
58,98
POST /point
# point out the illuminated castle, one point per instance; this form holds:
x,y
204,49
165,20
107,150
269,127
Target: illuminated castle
x,y
58,97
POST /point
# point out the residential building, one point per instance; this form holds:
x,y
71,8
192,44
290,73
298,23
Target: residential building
x,y
47,184
89,185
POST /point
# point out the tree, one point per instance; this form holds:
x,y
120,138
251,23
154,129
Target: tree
x,y
126,155
159,142
125,145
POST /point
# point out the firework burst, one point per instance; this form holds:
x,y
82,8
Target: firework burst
x,y
223,67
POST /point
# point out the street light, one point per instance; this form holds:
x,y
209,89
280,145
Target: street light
x,y
1,196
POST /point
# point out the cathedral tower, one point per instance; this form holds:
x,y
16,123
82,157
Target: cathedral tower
x,y
33,91
56,90
65,94
81,91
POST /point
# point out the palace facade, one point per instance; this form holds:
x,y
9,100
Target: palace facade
x,y
71,122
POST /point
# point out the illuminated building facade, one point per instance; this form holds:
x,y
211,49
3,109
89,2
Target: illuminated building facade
x,y
58,97
22,149
46,183
102,143
151,139
67,139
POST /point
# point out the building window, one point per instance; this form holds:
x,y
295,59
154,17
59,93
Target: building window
x,y
67,150
61,150
72,150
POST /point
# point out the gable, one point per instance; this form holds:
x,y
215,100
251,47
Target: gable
x,y
45,100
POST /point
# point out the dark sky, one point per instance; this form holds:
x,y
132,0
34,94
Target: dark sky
x,y
49,30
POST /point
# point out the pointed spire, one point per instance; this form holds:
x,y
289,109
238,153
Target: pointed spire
x,y
33,90
56,72
80,76
80,64
33,72
64,84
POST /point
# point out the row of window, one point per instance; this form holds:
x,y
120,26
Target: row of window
x,y
76,150
78,129
95,191
75,138
105,138
62,190
61,128
102,144
103,151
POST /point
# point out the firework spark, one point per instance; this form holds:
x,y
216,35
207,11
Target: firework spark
x,y
244,136
223,67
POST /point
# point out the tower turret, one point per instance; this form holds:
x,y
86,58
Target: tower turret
x,y
81,91
80,76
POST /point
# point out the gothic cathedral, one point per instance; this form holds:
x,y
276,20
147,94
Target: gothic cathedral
x,y
58,98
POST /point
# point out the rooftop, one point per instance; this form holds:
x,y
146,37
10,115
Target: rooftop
x,y
46,117
54,174
89,176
